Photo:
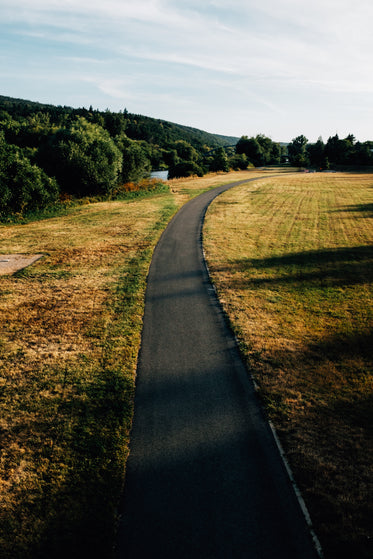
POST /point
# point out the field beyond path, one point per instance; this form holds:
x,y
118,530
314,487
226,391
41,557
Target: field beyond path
x,y
292,261
204,476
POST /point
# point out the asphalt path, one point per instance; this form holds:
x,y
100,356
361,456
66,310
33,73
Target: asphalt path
x,y
204,476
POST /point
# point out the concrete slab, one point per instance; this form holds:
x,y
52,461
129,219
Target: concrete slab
x,y
11,263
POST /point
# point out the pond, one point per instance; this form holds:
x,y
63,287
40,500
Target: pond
x,y
159,175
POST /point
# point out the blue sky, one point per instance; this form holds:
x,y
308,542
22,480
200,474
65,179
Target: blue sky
x,y
277,67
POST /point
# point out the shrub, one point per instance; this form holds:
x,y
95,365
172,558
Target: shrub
x,y
239,162
185,169
144,186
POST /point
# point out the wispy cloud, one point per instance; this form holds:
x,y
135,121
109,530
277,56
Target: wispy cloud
x,y
293,37
273,54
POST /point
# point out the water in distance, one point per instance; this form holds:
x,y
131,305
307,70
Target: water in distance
x,y
159,175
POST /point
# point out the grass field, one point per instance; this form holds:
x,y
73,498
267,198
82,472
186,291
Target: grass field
x,y
69,336
292,258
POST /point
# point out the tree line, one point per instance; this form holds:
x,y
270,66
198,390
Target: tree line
x,y
49,152
335,153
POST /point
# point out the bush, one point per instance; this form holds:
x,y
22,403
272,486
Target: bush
x,y
185,169
144,186
239,162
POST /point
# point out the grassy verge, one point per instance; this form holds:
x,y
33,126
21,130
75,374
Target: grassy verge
x,y
292,261
130,191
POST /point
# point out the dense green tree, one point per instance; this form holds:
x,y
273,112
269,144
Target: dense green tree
x,y
260,150
170,157
10,128
219,161
333,149
316,154
83,158
251,148
185,169
135,161
115,123
350,139
24,187
239,162
266,148
363,153
340,152
186,151
297,151
154,154
275,154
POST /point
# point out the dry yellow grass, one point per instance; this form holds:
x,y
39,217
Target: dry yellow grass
x,y
84,254
292,261
69,336
186,188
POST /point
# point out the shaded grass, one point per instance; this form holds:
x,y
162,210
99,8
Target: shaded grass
x,y
292,259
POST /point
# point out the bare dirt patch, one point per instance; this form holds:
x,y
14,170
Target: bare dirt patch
x,y
11,263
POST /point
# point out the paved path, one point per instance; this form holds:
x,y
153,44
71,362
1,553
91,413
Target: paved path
x,y
204,477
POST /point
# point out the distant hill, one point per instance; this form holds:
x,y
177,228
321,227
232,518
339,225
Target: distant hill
x,y
223,140
138,127
48,151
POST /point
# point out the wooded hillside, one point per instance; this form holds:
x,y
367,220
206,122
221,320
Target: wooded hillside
x,y
47,151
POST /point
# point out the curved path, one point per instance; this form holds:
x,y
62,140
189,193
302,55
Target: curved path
x,y
204,476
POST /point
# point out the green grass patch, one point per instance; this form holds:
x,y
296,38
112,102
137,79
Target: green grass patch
x,y
67,204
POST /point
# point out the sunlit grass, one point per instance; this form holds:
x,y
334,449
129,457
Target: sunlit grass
x,y
186,188
292,261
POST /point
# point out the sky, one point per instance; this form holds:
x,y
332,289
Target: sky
x,y
235,67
